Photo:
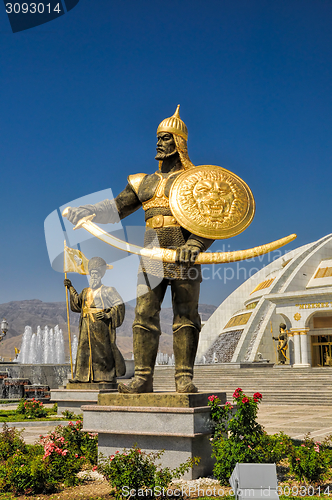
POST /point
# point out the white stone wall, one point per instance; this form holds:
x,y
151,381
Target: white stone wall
x,y
276,304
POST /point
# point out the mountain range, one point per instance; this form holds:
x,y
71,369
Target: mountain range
x,y
20,314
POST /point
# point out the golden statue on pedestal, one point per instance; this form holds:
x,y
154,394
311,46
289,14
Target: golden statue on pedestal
x,y
186,208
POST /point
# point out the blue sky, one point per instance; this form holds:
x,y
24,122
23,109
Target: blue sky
x,y
82,96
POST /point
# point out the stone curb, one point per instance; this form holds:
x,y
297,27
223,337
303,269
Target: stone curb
x,y
45,423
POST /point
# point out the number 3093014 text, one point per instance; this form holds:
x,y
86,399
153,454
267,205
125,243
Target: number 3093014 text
x,y
32,8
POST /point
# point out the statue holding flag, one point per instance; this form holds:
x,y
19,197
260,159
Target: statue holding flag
x,y
102,310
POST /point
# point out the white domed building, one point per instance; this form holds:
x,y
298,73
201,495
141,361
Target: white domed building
x,y
295,289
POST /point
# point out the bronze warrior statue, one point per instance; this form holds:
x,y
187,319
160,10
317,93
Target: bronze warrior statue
x,y
102,311
151,191
282,344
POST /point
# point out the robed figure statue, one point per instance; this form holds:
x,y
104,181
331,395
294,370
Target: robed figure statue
x,y
102,310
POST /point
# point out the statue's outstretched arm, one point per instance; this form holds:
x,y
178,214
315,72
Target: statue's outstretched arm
x,y
107,210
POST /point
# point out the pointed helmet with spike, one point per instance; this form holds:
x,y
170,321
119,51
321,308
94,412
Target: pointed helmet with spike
x,y
174,125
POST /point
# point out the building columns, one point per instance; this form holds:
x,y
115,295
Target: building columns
x,y
304,348
301,354
297,349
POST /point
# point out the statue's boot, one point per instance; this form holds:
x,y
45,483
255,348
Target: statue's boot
x,y
185,343
145,352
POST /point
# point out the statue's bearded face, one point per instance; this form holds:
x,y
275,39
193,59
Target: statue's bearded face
x,y
214,198
95,279
165,145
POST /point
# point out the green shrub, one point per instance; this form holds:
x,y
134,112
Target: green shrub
x,y
238,437
26,469
81,444
31,409
70,415
134,473
20,410
310,461
26,473
54,409
67,449
38,469
61,462
274,448
10,441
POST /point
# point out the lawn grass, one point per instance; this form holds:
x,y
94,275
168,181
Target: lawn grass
x,y
8,401
12,416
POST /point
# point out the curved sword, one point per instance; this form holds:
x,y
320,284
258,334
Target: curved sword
x,y
168,255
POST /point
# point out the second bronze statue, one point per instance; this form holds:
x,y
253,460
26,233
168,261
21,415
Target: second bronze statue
x,y
102,310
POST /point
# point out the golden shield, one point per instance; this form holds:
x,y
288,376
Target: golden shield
x,y
212,202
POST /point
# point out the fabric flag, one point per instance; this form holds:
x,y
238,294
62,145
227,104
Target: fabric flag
x,y
75,261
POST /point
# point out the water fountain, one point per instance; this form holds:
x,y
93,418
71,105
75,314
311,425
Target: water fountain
x,y
165,359
39,366
74,345
46,346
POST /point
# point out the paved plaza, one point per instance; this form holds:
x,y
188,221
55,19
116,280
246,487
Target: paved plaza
x,y
297,420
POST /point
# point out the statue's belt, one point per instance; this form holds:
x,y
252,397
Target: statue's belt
x,y
90,311
161,221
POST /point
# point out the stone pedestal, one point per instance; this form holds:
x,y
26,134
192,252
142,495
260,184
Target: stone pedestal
x,y
87,386
180,424
73,396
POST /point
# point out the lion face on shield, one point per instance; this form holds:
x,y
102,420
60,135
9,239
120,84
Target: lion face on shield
x,y
214,199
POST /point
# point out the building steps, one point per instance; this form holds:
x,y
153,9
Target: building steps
x,y
291,386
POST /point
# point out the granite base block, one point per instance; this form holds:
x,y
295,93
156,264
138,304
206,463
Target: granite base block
x,y
92,386
182,427
159,399
176,450
72,399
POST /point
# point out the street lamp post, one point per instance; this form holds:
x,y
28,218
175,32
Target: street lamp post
x,y
4,330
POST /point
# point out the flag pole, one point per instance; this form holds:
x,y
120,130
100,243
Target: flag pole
x,y
67,304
